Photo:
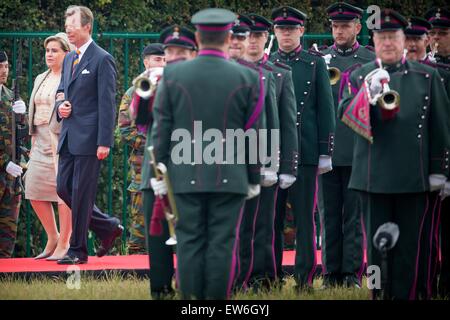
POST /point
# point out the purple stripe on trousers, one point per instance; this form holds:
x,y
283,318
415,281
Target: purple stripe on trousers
x,y
412,293
233,257
313,270
363,248
252,243
436,242
273,232
431,248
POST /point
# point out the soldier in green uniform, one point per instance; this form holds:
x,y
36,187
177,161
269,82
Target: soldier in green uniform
x,y
260,211
315,127
409,154
416,43
10,191
153,56
342,236
440,33
220,95
179,44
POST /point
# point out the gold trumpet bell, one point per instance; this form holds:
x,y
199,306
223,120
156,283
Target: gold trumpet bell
x,y
390,100
335,75
143,87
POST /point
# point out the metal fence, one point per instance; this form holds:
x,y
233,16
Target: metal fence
x,y
125,47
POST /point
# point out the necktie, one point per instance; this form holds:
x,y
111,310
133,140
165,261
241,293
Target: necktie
x,y
76,61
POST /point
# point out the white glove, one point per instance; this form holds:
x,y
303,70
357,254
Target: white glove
x,y
286,180
14,169
155,74
325,164
375,84
269,178
253,191
159,187
327,58
19,107
437,181
445,191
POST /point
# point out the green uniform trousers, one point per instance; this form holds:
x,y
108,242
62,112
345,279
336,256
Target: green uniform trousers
x,y
136,241
160,254
444,279
207,234
342,236
303,198
256,240
409,212
9,216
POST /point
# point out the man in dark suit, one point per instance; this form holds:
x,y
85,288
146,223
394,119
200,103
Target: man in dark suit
x,y
88,82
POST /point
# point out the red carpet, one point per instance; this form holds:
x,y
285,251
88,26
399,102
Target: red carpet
x,y
123,263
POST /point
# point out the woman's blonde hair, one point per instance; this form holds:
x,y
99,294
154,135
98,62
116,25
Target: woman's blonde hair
x,y
62,39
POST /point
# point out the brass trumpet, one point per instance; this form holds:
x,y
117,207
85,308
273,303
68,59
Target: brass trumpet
x,y
170,211
145,83
388,99
333,72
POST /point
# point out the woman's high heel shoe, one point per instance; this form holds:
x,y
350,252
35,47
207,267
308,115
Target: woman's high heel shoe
x,y
44,254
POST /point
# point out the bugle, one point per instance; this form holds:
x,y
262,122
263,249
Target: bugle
x,y
333,72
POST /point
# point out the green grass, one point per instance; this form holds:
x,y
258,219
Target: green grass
x,y
117,287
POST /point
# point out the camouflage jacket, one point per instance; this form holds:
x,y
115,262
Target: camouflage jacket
x,y
133,138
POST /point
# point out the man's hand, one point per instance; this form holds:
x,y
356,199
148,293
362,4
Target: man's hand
x,y
325,164
376,86
19,107
14,169
65,109
286,180
102,152
159,187
269,178
437,181
253,191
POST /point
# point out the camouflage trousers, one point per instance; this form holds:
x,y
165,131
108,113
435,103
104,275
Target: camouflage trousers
x,y
136,242
9,216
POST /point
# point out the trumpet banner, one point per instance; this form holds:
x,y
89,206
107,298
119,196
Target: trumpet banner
x,y
357,114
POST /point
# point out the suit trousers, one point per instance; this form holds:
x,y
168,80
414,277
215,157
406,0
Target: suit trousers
x,y
77,182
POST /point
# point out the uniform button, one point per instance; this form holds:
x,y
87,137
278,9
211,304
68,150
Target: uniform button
x,y
298,113
308,82
423,117
264,78
297,124
446,167
278,60
360,77
355,56
312,63
305,93
419,136
192,181
193,141
302,103
420,126
427,76
334,56
426,97
279,74
297,59
225,181
223,140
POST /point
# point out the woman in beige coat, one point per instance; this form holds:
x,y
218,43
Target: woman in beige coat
x,y
40,180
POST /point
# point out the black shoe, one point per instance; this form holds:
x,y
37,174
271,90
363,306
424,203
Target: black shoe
x,y
71,260
331,280
108,242
351,281
167,293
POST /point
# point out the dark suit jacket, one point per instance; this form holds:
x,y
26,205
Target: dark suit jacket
x,y
91,91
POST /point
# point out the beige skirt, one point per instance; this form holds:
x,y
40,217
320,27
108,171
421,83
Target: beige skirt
x,y
40,178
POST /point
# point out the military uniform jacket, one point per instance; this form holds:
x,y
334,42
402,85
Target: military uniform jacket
x,y
132,137
6,181
444,71
344,60
412,145
269,117
315,110
287,113
222,95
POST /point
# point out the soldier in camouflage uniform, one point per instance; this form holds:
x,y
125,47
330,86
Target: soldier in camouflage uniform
x,y
10,192
153,56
